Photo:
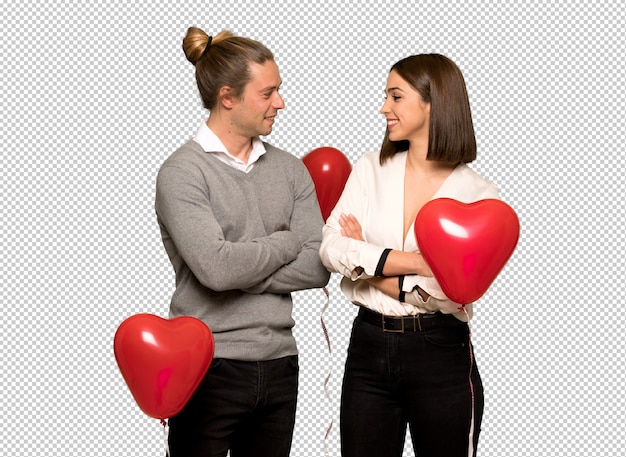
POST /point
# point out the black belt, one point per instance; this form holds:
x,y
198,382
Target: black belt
x,y
401,324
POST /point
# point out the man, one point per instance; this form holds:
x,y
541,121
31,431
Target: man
x,y
241,225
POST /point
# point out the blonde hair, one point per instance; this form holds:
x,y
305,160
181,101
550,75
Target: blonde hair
x,y
221,61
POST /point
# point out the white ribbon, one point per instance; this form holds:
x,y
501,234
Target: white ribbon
x,y
324,308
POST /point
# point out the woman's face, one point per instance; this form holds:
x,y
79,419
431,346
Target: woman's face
x,y
408,116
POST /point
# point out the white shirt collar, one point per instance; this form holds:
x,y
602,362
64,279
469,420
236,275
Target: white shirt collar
x,y
211,144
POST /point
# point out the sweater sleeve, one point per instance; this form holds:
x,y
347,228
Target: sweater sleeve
x,y
193,236
307,270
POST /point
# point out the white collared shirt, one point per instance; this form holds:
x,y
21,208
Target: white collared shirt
x,y
374,194
211,144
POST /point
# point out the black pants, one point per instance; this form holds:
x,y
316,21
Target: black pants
x,y
426,378
245,407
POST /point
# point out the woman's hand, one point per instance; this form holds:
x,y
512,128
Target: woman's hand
x,y
350,227
425,268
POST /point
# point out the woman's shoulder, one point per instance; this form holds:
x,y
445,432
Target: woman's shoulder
x,y
366,163
372,159
471,184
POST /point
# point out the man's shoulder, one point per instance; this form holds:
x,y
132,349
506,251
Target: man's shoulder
x,y
187,151
189,154
271,149
281,156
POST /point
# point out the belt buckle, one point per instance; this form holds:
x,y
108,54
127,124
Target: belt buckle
x,y
391,331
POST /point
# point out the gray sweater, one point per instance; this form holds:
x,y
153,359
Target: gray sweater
x,y
239,244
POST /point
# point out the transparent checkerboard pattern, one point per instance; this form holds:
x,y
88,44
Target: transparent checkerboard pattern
x,y
96,96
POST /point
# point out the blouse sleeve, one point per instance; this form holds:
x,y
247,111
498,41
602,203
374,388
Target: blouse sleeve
x,y
352,258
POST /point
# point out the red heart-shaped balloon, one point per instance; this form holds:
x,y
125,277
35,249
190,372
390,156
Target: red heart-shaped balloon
x,y
163,360
466,245
329,168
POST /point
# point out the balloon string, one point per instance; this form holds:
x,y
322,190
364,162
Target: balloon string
x,y
322,318
167,447
471,384
324,308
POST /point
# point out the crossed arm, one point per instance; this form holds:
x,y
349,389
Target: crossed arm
x,y
279,262
397,262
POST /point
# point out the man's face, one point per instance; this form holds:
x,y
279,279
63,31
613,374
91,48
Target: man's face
x,y
257,107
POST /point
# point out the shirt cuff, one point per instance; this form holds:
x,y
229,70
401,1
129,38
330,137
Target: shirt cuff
x,y
427,284
381,263
366,260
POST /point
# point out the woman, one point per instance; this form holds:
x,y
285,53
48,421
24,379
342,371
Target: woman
x,y
410,359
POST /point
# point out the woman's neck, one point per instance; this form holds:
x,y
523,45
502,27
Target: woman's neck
x,y
416,161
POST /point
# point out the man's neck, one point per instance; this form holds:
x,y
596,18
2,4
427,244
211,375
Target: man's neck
x,y
237,145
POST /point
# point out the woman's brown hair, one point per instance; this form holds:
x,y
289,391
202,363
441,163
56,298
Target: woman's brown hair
x,y
221,61
439,82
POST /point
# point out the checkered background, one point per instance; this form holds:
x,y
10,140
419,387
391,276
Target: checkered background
x,y
95,96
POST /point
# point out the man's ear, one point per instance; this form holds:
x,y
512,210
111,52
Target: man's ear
x,y
226,97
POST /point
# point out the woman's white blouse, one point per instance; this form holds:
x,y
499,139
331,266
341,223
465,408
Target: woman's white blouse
x,y
374,195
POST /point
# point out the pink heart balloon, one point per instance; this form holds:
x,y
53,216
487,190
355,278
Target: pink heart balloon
x,y
163,360
466,245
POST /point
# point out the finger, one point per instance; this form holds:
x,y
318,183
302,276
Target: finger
x,y
352,222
